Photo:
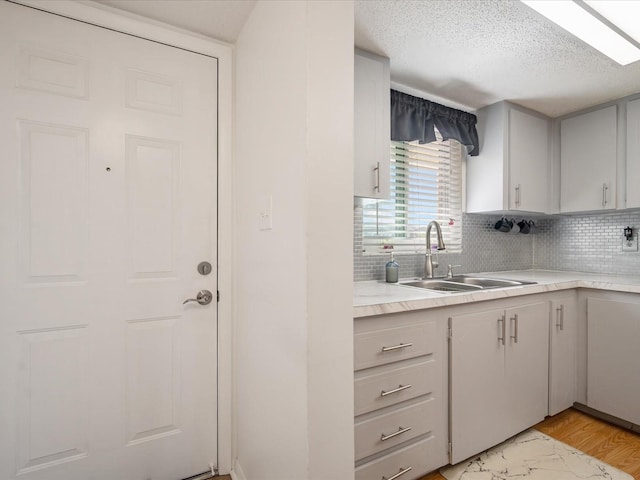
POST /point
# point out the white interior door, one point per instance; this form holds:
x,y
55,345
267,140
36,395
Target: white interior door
x,y
107,205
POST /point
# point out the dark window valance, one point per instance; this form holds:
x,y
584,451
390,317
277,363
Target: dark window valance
x,y
414,118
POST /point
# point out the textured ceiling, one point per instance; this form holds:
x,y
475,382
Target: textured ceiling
x,y
221,19
465,53
477,52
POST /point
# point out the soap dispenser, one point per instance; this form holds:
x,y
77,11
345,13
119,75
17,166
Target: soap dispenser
x,y
391,270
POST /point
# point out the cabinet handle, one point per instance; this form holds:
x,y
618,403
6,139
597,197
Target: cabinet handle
x,y
400,431
376,187
515,330
518,195
397,475
560,317
604,194
395,390
396,347
501,321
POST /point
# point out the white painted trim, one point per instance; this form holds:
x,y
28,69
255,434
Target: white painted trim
x,y
237,473
126,22
104,16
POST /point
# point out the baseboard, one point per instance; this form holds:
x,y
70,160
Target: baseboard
x,y
606,417
236,471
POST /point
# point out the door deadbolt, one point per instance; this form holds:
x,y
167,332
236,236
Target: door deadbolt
x,y
204,268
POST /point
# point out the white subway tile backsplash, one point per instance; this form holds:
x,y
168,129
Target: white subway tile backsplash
x,y
587,243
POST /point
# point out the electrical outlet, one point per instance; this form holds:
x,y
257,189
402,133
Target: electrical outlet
x,y
630,245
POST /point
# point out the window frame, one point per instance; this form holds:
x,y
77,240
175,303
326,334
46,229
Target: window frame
x,y
413,242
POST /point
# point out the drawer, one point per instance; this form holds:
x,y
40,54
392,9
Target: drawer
x,y
414,460
378,390
388,430
392,344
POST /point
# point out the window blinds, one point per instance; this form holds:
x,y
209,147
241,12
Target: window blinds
x,y
426,185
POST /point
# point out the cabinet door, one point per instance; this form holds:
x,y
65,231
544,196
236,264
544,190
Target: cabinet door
x,y
477,382
633,154
528,162
371,126
613,358
588,157
527,367
563,344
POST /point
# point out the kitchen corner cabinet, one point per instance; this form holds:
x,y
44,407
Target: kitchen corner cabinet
x,y
400,364
613,356
633,154
563,353
511,171
499,375
588,161
372,126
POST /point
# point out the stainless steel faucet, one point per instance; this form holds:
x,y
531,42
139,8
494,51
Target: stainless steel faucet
x,y
429,264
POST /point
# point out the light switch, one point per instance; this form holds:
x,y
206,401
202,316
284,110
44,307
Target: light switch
x,y
265,214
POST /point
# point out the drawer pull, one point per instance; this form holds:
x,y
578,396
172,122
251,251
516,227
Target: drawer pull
x,y
395,390
396,347
397,475
400,431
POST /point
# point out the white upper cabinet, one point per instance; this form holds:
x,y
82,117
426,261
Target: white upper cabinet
x,y
633,154
511,172
371,126
588,159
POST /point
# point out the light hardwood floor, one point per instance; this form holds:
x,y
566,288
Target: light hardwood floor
x,y
616,446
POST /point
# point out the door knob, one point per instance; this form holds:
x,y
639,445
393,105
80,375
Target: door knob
x,y
204,297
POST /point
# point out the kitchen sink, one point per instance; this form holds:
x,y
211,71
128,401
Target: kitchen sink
x,y
464,283
487,282
443,286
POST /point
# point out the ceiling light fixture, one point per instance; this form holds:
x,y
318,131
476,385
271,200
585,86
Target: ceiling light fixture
x,y
578,21
624,14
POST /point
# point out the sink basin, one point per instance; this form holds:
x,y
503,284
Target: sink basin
x,y
443,286
464,283
487,282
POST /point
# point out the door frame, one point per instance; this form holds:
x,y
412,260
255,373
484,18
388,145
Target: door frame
x,y
128,23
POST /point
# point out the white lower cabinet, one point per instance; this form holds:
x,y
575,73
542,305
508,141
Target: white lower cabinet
x,y
613,356
499,375
400,384
563,353
420,404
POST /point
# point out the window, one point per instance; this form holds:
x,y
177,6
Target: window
x,y
426,185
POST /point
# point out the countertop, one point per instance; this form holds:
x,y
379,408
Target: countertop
x,y
378,298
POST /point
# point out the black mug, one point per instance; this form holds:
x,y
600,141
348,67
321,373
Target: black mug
x,y
525,227
503,225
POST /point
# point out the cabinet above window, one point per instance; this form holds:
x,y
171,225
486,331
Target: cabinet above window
x,y
511,173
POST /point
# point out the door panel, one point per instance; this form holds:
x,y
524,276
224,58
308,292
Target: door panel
x,y
613,359
527,377
477,382
563,355
107,205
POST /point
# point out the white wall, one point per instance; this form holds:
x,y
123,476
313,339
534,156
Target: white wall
x,y
294,143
